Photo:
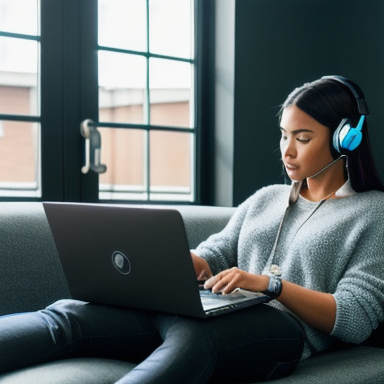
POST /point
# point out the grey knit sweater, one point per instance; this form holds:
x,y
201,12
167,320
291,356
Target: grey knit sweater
x,y
336,246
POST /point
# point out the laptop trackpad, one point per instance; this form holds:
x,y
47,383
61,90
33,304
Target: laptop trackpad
x,y
212,300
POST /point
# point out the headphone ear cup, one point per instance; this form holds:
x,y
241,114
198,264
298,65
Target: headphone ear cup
x,y
336,135
350,138
347,137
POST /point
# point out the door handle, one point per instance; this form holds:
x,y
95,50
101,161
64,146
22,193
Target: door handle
x,y
92,138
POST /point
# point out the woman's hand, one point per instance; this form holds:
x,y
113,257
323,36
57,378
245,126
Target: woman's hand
x,y
230,279
202,270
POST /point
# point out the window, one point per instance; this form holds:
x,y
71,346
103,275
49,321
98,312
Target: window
x,y
20,156
146,99
130,67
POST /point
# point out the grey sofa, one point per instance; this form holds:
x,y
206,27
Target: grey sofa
x,y
31,278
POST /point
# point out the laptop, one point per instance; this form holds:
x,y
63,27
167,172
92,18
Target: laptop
x,y
135,257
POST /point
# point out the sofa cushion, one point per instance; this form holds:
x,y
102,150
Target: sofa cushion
x,y
31,276
202,221
360,365
71,371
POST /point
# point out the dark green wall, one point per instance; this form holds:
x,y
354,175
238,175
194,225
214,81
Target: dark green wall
x,y
278,45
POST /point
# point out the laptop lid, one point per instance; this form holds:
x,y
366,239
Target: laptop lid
x,y
126,256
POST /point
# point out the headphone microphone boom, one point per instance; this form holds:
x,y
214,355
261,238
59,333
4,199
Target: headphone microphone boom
x,y
297,184
327,166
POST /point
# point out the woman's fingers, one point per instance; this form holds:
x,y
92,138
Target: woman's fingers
x,y
225,281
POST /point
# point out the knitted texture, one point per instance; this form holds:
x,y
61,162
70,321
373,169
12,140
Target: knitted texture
x,y
335,247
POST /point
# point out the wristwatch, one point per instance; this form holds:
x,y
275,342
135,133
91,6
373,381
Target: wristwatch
x,y
275,287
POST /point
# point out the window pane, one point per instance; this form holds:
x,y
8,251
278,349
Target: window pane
x,y
124,153
123,24
170,162
170,27
19,16
18,76
122,87
19,159
170,92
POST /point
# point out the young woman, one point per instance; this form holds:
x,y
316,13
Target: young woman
x,y
315,247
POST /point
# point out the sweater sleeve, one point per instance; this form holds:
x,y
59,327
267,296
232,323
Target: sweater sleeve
x,y
220,249
360,293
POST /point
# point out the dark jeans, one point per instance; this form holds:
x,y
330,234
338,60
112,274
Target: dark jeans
x,y
256,343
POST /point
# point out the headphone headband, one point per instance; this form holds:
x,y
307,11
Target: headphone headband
x,y
356,91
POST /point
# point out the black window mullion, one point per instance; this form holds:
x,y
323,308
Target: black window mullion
x,y
147,111
68,96
89,91
52,100
204,98
80,100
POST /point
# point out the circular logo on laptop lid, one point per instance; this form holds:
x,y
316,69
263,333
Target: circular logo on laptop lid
x,y
121,262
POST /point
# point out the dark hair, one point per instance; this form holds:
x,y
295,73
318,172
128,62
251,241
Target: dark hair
x,y
329,101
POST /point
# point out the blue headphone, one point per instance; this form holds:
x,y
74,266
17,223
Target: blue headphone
x,y
346,137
